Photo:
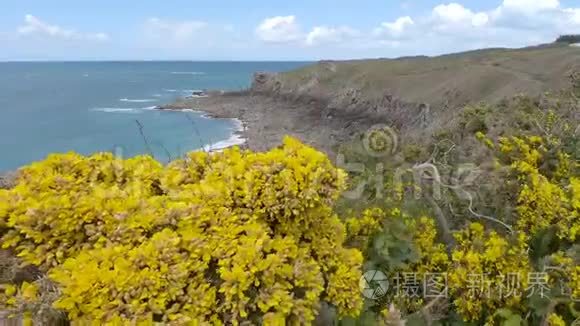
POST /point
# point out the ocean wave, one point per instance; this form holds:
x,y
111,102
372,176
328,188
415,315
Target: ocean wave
x,y
116,110
200,114
235,138
187,73
194,93
238,125
138,100
171,90
221,145
124,110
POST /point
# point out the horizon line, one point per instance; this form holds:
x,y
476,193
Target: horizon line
x,y
147,60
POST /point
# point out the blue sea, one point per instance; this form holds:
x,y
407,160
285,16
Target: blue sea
x,y
89,107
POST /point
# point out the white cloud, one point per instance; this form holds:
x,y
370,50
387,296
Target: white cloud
x,y
34,26
480,19
447,27
540,15
452,12
323,35
396,28
279,29
511,23
455,13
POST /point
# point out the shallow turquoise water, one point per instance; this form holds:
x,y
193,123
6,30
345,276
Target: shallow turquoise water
x,y
94,106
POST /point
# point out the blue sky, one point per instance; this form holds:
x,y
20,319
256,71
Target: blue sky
x,y
269,30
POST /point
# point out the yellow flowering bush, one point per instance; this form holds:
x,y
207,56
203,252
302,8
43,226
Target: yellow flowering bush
x,y
69,203
484,259
361,229
431,260
555,320
547,197
406,247
566,267
221,238
433,254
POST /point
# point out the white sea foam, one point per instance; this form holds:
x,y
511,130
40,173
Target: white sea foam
x,y
190,93
116,110
238,125
235,139
221,145
187,73
201,113
138,100
124,110
170,90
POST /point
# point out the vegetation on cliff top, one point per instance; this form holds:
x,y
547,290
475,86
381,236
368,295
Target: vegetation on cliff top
x,y
280,237
569,39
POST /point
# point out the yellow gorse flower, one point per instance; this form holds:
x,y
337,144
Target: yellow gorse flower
x,y
481,260
222,238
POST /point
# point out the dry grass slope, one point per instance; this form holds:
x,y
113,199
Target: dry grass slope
x,y
454,79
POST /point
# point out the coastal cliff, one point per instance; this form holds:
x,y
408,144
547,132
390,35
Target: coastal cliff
x,y
329,102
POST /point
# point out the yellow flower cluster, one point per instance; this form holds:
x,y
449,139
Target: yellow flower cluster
x,y
69,203
361,229
566,268
433,255
481,260
432,259
17,296
555,320
545,199
485,140
223,238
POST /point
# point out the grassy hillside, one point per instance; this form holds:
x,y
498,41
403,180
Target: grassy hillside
x,y
483,75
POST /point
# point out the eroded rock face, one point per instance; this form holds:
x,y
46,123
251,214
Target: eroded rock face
x,y
266,83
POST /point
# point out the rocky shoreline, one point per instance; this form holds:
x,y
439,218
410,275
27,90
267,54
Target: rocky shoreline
x,y
265,120
268,112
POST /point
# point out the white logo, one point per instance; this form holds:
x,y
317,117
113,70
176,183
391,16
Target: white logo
x,y
374,284
380,140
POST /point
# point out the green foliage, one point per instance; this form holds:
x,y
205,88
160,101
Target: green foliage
x,y
570,39
473,119
413,153
530,183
